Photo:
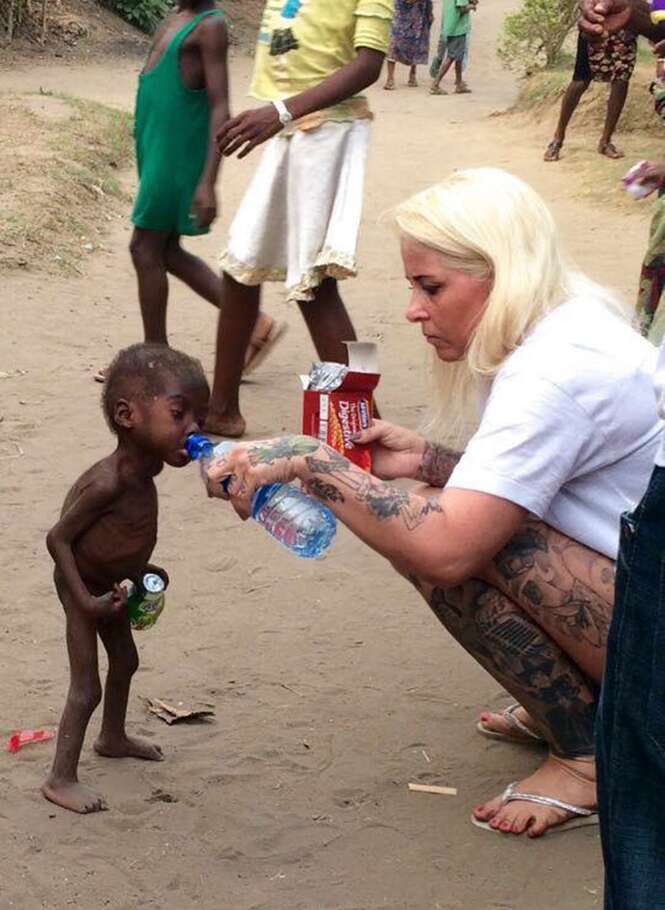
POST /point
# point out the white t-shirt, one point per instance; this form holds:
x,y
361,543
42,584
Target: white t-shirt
x,y
570,429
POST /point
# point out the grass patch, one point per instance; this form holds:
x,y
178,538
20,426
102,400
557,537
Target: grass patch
x,y
60,161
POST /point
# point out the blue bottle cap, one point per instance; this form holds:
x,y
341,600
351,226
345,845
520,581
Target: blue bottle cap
x,y
198,446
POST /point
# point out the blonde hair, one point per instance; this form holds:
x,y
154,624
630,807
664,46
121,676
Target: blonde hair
x,y
492,225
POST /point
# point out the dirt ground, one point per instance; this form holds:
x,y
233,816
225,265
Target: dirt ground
x,y
333,684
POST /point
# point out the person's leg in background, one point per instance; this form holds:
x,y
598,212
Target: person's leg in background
x,y
148,251
613,61
630,744
328,322
192,271
572,97
390,75
615,105
238,314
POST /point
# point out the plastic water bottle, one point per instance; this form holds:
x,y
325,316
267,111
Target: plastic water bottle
x,y
299,522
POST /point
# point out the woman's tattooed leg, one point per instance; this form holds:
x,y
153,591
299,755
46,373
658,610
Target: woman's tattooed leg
x,y
564,587
523,659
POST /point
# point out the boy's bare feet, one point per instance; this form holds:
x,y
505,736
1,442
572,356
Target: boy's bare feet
x,y
461,88
74,796
128,747
437,90
389,85
570,780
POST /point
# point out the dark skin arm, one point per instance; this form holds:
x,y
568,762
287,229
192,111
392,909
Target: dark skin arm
x,y
213,48
599,18
249,129
93,502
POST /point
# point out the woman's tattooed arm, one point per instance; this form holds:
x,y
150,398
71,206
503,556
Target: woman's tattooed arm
x,y
437,464
382,500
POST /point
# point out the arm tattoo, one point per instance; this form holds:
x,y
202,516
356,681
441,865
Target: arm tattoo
x,y
285,447
437,464
383,500
327,492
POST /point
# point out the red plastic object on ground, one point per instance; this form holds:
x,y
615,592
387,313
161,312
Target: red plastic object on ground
x,y
21,738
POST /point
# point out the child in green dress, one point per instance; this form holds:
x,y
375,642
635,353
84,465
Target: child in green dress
x,y
181,104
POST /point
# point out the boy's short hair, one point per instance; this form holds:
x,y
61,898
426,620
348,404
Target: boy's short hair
x,y
143,370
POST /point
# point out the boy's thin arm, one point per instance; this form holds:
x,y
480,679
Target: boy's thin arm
x,y
214,48
251,128
84,512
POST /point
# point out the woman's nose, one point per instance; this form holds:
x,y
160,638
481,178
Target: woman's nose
x,y
415,312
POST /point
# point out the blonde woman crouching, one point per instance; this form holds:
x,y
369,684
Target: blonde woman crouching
x,y
514,548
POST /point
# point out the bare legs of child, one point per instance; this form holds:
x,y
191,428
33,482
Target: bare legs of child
x,y
571,98
389,84
326,318
461,88
156,255
62,785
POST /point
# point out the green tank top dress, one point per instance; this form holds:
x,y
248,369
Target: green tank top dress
x,y
171,133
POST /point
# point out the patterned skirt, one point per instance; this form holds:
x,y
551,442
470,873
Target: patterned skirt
x,y
409,38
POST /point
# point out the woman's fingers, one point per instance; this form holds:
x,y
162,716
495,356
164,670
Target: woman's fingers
x,y
373,433
218,473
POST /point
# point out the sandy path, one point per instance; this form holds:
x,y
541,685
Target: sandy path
x,y
333,684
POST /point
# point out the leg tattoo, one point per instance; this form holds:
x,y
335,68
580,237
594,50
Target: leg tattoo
x,y
520,656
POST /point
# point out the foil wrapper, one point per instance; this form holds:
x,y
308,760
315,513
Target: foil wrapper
x,y
326,377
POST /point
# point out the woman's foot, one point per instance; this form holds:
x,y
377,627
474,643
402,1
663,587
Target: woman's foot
x,y
73,796
128,747
389,85
570,780
412,83
553,150
461,88
513,723
609,150
437,90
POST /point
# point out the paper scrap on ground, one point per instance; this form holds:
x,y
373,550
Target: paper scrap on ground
x,y
173,715
431,788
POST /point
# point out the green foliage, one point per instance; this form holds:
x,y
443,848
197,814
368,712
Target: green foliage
x,y
533,37
144,14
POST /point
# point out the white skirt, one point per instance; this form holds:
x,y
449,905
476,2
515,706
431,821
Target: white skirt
x,y
299,220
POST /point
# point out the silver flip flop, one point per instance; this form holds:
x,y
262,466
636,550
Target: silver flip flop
x,y
582,817
526,737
